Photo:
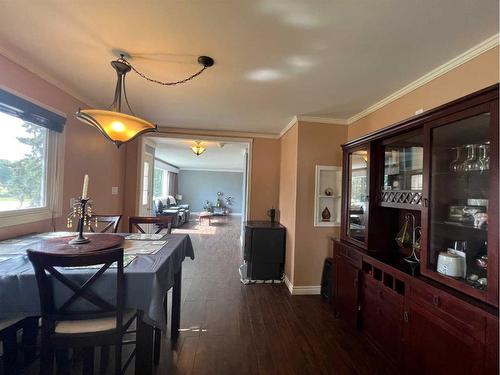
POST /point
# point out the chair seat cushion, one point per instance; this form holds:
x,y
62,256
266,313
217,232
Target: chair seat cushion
x,y
91,325
6,323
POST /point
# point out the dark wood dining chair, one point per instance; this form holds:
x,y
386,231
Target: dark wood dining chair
x,y
8,337
109,222
63,326
161,222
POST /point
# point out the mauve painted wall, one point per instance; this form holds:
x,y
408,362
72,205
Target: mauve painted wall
x,y
197,187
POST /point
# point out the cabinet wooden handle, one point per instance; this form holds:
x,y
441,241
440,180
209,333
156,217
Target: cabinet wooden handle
x,y
426,202
405,316
435,300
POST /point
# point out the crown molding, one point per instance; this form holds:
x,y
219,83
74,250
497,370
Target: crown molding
x,y
216,134
32,68
323,120
461,59
292,122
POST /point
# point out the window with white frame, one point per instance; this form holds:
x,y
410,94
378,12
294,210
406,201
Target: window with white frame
x,y
29,148
161,183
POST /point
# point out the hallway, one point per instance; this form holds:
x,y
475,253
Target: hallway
x,y
230,328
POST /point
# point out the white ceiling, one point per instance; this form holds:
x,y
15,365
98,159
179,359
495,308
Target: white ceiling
x,y
229,157
274,59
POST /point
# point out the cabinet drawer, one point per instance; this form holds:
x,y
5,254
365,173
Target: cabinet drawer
x,y
381,292
457,312
351,254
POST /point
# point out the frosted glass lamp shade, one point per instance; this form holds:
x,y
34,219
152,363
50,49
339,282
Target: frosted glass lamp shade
x,y
116,126
198,149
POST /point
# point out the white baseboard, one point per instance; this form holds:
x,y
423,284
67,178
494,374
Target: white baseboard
x,y
289,285
302,290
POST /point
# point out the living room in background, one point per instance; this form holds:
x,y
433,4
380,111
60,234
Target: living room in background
x,y
214,181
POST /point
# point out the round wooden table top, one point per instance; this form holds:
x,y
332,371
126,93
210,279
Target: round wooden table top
x,y
98,241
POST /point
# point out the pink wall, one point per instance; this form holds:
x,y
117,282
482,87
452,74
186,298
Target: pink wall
x,y
86,152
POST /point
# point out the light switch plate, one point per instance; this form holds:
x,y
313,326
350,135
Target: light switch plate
x,y
114,190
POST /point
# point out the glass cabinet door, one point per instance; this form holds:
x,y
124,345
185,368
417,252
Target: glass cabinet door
x,y
357,202
459,196
403,163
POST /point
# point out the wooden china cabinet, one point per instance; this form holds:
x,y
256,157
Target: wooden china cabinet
x,y
416,266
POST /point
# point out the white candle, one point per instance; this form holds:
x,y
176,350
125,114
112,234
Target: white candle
x,y
85,186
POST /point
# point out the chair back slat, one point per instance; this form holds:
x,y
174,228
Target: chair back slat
x,y
110,222
162,222
46,275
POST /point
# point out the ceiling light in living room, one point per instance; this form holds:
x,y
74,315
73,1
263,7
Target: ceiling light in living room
x,y
198,149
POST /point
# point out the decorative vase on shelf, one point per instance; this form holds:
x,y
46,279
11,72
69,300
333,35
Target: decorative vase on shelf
x,y
325,215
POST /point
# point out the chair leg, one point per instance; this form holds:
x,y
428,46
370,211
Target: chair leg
x,y
118,358
88,361
46,356
10,352
62,361
103,366
30,333
157,346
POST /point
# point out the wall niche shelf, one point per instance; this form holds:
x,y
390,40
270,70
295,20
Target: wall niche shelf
x,y
327,194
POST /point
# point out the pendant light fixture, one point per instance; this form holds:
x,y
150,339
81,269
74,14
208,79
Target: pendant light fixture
x,y
120,127
198,149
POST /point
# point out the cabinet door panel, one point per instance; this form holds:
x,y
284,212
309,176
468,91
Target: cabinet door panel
x,y
346,293
356,186
433,346
460,220
381,319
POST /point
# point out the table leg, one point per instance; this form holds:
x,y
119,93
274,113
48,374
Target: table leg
x,y
176,306
144,347
30,333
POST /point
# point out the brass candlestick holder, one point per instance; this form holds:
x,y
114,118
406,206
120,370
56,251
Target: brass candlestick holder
x,y
82,211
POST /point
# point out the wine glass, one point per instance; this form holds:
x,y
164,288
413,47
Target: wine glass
x,y
455,165
483,158
471,163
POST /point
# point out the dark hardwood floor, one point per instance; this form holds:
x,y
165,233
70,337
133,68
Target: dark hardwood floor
x,y
231,328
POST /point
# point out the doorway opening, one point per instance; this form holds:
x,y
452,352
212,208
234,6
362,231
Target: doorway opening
x,y
200,180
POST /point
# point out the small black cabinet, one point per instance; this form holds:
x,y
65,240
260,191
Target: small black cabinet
x,y
264,250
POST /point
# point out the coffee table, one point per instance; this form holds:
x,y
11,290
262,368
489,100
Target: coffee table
x,y
205,215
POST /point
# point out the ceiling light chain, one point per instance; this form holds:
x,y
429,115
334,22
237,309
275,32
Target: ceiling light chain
x,y
203,60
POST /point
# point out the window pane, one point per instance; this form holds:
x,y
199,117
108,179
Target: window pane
x,y
145,184
22,164
157,183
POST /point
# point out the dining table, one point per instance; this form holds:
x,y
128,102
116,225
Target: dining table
x,y
153,266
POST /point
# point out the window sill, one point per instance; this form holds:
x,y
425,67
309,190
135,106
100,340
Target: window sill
x,y
32,215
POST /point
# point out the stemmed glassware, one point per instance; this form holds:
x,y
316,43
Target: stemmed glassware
x,y
477,159
471,163
484,156
456,164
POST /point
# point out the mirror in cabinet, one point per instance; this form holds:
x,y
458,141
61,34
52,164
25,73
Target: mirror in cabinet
x,y
357,189
402,171
460,202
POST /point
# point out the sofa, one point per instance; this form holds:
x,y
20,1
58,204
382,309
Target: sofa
x,y
167,206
